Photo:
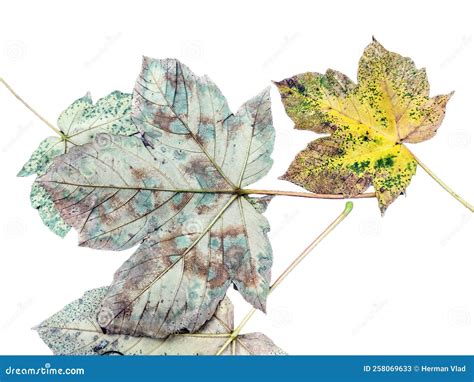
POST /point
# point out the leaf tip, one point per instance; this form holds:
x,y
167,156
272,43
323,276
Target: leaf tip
x,y
382,208
145,60
22,173
278,84
375,44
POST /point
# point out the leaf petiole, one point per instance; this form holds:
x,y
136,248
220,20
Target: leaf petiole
x,y
49,124
288,270
465,203
246,191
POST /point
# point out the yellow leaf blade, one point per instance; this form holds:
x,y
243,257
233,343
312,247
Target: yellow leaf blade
x,y
368,124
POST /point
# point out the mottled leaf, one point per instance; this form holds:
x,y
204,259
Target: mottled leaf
x,y
79,123
74,331
369,124
48,149
175,191
260,203
50,216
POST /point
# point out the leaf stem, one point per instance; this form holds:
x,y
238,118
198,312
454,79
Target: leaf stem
x,y
465,203
217,191
49,124
288,270
246,191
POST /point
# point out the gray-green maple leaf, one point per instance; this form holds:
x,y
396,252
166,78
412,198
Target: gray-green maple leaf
x,y
79,124
74,331
177,191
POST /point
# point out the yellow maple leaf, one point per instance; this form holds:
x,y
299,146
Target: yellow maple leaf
x,y
369,124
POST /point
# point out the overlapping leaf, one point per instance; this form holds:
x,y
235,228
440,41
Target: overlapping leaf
x,y
75,331
176,191
368,123
79,123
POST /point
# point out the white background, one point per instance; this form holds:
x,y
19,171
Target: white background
x,y
401,284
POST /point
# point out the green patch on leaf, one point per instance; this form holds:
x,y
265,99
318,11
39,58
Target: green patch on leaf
x,y
50,216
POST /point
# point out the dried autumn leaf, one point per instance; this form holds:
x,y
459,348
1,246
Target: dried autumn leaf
x,y
79,124
176,192
369,124
74,331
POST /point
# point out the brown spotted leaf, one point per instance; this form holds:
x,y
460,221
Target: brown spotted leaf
x,y
74,331
368,125
175,191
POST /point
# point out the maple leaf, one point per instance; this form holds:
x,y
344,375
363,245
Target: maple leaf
x,y
368,125
78,124
176,191
74,331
